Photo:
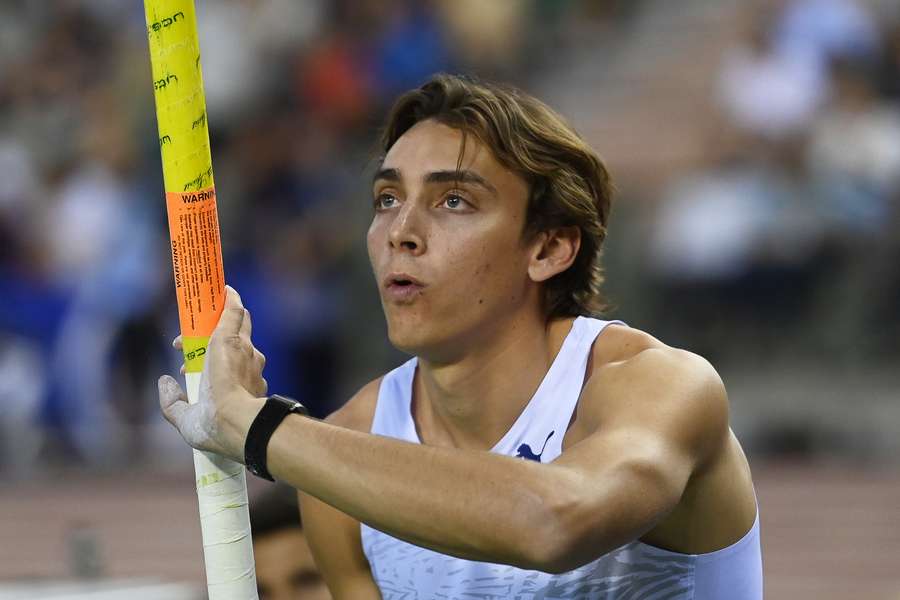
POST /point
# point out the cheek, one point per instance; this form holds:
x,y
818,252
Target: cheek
x,y
372,241
490,265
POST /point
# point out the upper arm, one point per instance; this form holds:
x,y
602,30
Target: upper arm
x,y
333,536
657,418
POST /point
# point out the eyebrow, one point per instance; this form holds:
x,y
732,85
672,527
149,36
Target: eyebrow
x,y
461,176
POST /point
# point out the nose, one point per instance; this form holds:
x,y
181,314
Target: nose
x,y
406,232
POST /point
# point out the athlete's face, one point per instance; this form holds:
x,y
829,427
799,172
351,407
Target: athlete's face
x,y
285,569
456,229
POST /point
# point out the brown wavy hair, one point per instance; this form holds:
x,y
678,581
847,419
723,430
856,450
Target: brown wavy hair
x,y
568,183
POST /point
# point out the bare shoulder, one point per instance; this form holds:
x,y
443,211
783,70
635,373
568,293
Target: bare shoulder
x,y
359,411
637,379
624,357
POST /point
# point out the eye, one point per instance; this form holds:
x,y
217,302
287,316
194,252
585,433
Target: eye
x,y
455,201
383,201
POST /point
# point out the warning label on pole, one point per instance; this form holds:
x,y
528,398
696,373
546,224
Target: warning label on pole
x,y
196,259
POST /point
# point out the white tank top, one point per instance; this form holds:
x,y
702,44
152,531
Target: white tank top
x,y
633,571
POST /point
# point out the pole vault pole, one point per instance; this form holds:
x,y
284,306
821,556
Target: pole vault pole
x,y
199,278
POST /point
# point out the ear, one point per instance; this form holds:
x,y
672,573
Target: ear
x,y
553,252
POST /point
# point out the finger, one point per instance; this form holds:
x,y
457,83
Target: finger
x,y
246,325
232,297
262,389
172,400
260,359
230,322
177,343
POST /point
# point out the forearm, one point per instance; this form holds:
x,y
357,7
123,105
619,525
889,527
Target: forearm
x,y
474,505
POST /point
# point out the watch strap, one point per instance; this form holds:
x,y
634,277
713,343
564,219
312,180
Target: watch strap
x,y
264,425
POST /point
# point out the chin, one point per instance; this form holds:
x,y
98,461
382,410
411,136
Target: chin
x,y
422,337
425,341
407,335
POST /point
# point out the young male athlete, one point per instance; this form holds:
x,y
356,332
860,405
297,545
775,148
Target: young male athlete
x,y
529,450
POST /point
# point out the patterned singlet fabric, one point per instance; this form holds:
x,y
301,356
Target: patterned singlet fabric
x,y
635,571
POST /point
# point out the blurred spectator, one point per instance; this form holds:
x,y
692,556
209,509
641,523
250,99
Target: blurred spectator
x,y
737,249
334,83
889,65
854,159
233,69
411,47
22,383
489,35
285,569
826,29
766,92
855,149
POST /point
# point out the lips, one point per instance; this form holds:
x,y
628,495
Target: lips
x,y
402,287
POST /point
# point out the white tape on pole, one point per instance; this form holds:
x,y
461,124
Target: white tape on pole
x,y
224,520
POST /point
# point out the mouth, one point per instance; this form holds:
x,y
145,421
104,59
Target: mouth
x,y
402,287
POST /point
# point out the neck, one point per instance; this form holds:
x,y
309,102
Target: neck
x,y
472,402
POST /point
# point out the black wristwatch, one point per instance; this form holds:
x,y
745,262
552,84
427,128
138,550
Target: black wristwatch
x,y
264,425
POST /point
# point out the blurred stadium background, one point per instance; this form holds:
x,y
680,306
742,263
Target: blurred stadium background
x,y
756,149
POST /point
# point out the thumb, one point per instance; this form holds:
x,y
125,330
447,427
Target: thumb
x,y
172,400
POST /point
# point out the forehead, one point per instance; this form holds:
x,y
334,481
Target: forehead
x,y
429,147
